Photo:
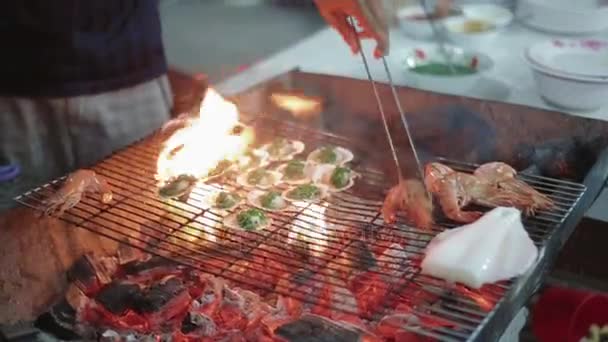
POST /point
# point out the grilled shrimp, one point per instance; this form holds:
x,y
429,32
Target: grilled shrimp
x,y
454,190
491,185
508,191
410,197
76,185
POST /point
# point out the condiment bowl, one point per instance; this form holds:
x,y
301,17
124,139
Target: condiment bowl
x,y
427,68
497,15
414,22
471,33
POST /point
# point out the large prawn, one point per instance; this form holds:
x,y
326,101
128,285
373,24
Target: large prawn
x,y
410,197
491,185
76,185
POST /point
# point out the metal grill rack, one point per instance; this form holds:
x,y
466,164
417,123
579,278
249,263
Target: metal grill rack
x,y
342,236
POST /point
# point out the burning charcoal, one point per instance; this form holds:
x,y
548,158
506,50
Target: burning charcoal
x,y
312,328
363,259
230,314
158,295
89,274
199,325
210,298
117,296
137,267
150,270
127,254
357,257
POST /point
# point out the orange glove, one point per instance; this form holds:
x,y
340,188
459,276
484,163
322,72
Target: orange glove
x,y
370,16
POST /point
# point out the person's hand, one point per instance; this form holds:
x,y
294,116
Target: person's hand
x,y
370,16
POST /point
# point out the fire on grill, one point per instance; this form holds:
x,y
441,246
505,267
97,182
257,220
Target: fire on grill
x,y
284,237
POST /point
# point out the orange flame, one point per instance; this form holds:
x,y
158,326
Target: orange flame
x,y
300,106
197,148
311,228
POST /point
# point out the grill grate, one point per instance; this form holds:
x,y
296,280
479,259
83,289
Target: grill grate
x,y
192,234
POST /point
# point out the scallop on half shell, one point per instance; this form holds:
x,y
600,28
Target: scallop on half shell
x,y
295,181
255,197
323,192
334,155
252,160
231,222
287,149
212,200
268,180
323,174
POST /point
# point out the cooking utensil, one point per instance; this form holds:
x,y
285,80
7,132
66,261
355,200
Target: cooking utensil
x,y
381,109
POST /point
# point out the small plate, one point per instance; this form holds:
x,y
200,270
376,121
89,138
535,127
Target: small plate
x,y
579,58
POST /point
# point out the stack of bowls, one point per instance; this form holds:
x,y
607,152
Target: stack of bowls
x,y
571,73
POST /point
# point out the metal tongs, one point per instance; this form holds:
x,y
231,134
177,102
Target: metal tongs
x,y
383,114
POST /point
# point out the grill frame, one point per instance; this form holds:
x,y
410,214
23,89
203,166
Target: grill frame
x,y
489,327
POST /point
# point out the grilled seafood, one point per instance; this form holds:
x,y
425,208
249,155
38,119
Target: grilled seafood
x,y
455,190
491,185
76,185
410,197
495,247
512,191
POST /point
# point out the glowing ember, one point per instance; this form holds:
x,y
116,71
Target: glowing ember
x,y
300,106
311,228
198,148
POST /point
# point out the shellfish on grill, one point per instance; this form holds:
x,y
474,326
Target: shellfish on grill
x,y
249,220
295,172
335,155
281,149
310,192
252,160
267,200
260,178
224,200
335,178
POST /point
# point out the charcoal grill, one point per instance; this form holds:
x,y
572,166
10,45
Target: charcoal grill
x,y
190,233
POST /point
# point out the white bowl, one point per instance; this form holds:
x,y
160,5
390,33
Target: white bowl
x,y
416,28
568,91
456,33
563,16
444,83
579,58
499,16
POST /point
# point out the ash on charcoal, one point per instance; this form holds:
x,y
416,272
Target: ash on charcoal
x,y
198,324
117,296
158,295
312,328
139,267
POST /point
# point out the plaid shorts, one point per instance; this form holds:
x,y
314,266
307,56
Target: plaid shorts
x,y
49,137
